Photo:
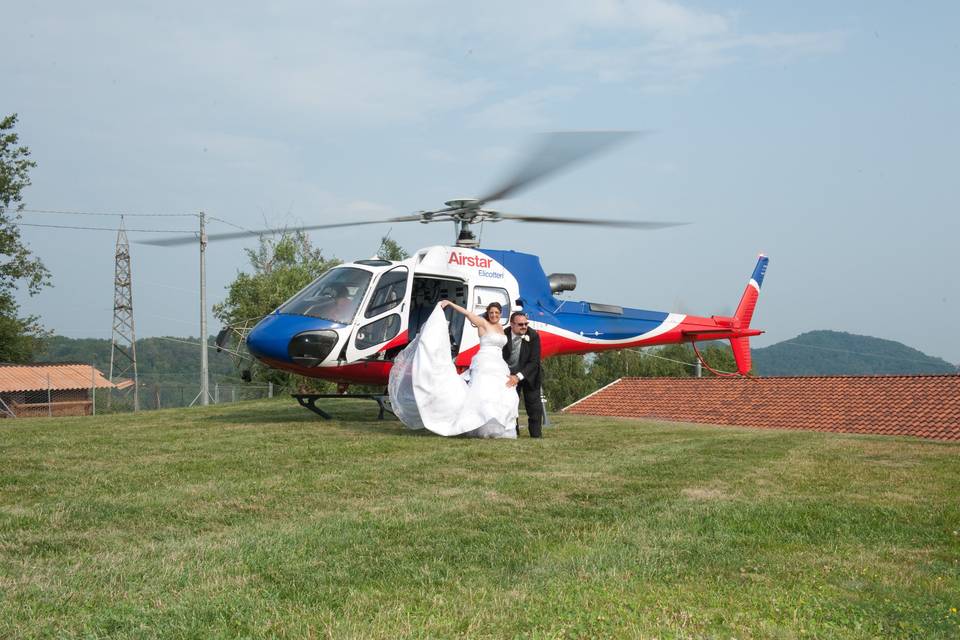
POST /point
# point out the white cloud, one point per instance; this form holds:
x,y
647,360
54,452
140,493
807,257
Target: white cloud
x,y
369,64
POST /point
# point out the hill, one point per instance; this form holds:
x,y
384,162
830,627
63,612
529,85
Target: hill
x,y
822,353
155,356
809,354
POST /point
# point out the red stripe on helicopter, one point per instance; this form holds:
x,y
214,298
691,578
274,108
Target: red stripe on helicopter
x,y
396,342
375,372
691,329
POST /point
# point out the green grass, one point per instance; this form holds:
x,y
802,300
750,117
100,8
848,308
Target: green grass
x,y
261,520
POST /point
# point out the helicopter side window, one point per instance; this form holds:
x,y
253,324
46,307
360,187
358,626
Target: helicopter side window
x,y
389,292
333,296
483,296
378,331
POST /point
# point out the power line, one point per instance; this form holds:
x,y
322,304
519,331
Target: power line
x,y
216,348
63,226
652,355
190,342
688,364
119,215
859,353
810,346
235,226
109,213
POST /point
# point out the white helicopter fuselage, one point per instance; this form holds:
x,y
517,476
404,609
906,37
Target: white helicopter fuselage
x,y
349,324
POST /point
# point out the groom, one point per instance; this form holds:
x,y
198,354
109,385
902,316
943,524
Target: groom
x,y
522,353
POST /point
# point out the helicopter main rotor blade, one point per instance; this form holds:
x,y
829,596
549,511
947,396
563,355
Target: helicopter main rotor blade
x,y
232,235
556,152
626,224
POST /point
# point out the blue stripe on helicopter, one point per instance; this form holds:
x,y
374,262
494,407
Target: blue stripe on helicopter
x,y
760,270
527,270
574,316
577,318
271,337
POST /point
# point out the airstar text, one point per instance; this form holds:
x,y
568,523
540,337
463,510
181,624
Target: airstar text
x,y
469,261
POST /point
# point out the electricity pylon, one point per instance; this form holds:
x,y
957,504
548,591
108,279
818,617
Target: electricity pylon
x,y
123,348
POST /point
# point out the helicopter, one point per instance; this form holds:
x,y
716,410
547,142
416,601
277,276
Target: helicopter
x,y
348,325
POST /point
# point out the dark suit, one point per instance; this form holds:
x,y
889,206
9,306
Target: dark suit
x,y
529,388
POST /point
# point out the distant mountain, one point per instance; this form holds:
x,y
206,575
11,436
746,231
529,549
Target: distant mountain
x,y
826,353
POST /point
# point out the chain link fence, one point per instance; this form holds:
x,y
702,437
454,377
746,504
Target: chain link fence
x,y
168,392
53,394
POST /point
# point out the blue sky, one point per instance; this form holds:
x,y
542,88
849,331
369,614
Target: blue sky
x,y
823,134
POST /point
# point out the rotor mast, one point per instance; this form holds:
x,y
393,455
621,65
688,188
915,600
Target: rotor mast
x,y
465,237
464,212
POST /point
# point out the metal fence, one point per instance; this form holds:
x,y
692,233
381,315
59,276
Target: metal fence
x,y
155,391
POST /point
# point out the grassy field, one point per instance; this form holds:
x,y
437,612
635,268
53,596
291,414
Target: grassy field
x,y
260,520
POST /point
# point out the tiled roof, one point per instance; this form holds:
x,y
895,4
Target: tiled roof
x,y
36,377
921,406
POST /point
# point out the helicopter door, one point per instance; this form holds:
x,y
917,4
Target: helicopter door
x,y
385,316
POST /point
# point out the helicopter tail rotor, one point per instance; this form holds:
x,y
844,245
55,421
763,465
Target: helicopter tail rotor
x,y
744,314
735,328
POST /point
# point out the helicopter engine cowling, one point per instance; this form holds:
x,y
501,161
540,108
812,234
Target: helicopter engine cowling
x,y
562,282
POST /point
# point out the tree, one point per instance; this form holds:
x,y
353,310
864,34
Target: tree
x,y
565,380
281,267
720,357
391,250
20,338
658,362
673,360
569,378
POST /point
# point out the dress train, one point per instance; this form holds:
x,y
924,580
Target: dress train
x,y
426,391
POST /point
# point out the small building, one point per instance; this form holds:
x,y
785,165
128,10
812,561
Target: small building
x,y
41,390
919,406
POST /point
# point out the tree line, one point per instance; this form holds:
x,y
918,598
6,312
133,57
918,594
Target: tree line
x,y
156,357
569,378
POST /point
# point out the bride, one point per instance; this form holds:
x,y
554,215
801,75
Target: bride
x,y
426,392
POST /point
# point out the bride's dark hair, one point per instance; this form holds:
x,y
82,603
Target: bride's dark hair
x,y
492,305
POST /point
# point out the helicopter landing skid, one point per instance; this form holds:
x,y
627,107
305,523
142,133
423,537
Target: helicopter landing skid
x,y
309,400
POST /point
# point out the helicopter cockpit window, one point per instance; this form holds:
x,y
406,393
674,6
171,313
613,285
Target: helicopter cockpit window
x,y
389,292
333,296
378,331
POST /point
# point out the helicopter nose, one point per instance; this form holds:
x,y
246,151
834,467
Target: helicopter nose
x,y
289,338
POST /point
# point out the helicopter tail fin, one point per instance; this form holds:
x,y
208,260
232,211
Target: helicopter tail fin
x,y
744,314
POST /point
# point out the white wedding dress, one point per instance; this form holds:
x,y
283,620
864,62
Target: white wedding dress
x,y
426,392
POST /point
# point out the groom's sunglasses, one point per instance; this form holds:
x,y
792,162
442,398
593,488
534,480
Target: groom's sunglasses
x,y
522,324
